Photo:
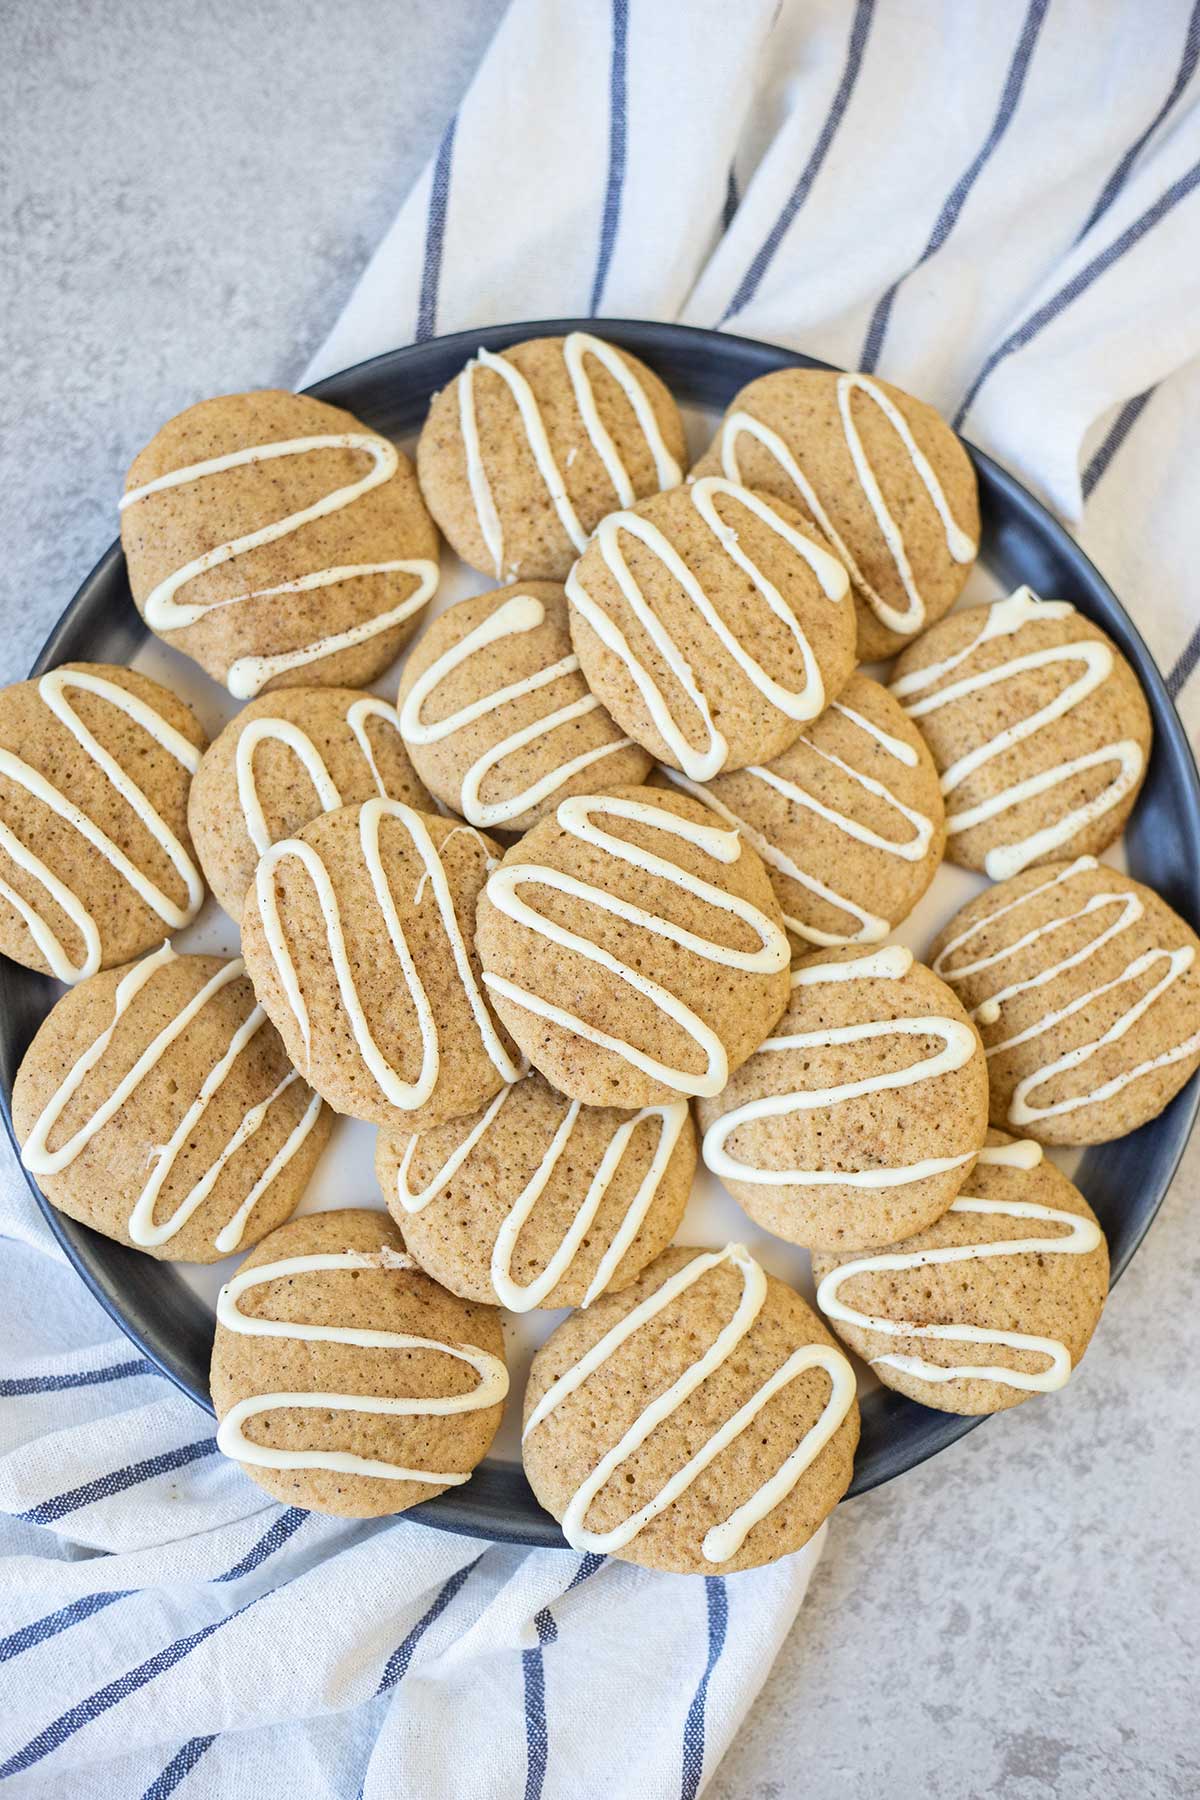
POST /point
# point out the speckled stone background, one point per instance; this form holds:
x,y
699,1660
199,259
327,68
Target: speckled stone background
x,y
189,192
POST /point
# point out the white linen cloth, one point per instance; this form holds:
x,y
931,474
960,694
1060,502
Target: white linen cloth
x,y
995,206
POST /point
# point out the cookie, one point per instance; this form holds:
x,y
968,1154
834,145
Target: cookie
x,y
1038,726
713,624
357,936
538,1201
1086,989
95,860
848,821
156,1105
996,1301
346,1381
283,760
278,542
499,721
881,474
859,1119
634,948
524,452
701,1421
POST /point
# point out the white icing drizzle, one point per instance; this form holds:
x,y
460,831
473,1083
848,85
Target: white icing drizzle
x,y
961,547
576,346
871,928
163,612
988,1011
52,691
575,817
1005,619
671,1120
403,1094
231,1438
39,1159
1083,1236
804,704
958,1046
285,731
521,613
723,1540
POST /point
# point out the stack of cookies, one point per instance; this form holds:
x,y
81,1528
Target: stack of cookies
x,y
604,887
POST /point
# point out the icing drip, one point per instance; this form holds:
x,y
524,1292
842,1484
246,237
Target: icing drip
x,y
231,1438
575,817
960,546
522,613
1005,619
671,1121
805,704
958,1046
284,731
576,346
725,1539
989,1011
163,612
1083,1236
39,1159
403,1094
52,690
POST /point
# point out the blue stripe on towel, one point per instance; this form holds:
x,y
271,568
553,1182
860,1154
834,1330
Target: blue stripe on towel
x,y
1185,665
273,1539
21,1385
1081,281
398,1661
28,1636
749,284
533,1673
732,197
957,198
618,84
1118,431
1120,175
717,1597
435,235
117,1480
181,1764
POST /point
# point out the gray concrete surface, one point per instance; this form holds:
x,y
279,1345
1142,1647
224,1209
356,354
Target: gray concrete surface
x,y
189,193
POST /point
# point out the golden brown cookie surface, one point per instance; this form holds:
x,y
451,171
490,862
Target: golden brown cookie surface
x,y
344,1379
712,623
281,761
272,566
1085,986
524,452
703,1420
497,716
879,472
994,1302
156,1104
858,1120
536,1200
633,947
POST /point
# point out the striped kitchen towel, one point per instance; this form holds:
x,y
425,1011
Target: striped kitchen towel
x,y
996,207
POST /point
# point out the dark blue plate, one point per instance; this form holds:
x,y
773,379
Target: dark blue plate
x,y
1124,1181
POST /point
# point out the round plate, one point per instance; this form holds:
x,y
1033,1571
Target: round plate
x,y
1021,542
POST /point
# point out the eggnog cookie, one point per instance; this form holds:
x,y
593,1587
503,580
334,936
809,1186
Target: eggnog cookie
x,y
700,1421
1086,989
156,1105
1038,728
848,821
859,1119
95,859
996,1301
283,760
634,948
524,452
497,717
278,542
346,1381
538,1201
713,624
880,473
357,936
